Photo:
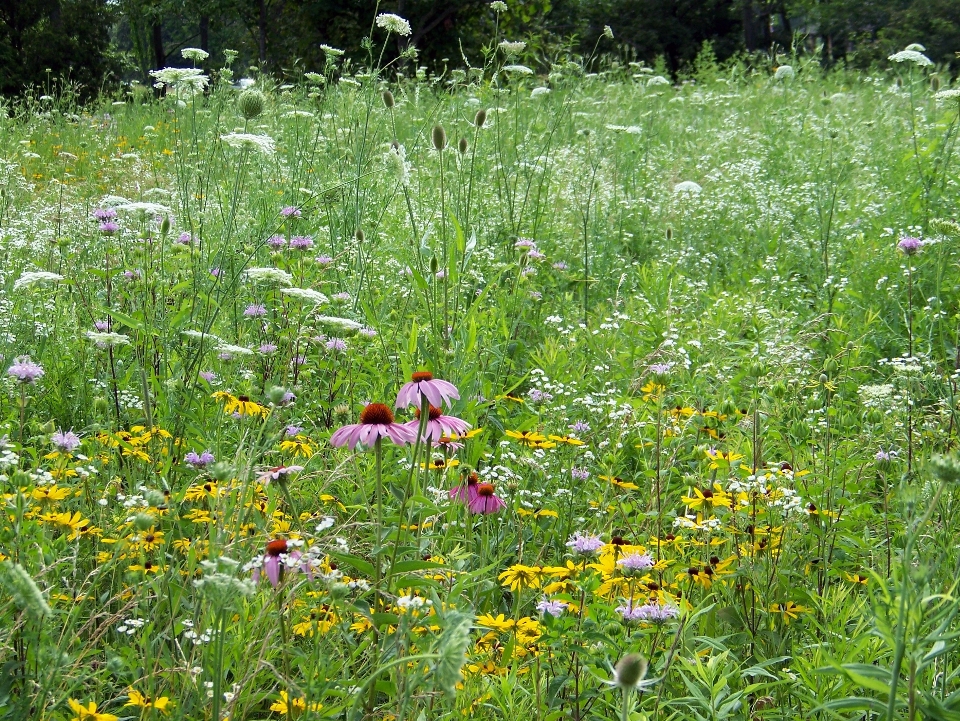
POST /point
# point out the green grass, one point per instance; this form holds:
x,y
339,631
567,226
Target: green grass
x,y
719,365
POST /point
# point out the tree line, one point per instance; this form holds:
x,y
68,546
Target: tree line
x,y
97,44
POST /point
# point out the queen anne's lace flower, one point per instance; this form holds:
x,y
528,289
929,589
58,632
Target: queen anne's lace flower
x,y
261,143
911,56
393,24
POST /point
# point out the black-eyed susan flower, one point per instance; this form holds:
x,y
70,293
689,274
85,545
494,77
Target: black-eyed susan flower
x,y
292,707
241,405
526,438
89,712
520,576
788,611
135,698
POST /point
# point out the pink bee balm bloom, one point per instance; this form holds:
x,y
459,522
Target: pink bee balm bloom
x,y
423,385
485,501
376,422
468,492
438,425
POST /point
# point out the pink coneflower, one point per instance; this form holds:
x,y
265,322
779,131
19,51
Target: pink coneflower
x,y
271,560
486,501
423,385
376,421
438,425
280,474
466,493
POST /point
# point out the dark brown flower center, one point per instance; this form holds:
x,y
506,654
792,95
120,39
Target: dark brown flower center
x,y
421,376
434,414
484,489
276,547
376,414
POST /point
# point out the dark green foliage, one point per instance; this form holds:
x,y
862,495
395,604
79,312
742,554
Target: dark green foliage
x,y
41,40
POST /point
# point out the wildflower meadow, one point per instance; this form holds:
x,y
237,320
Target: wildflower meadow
x,y
482,394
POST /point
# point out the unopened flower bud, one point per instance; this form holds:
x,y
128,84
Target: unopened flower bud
x,y
480,118
388,100
439,137
462,146
630,671
250,103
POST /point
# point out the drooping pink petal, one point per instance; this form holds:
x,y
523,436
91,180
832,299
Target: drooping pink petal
x,y
432,392
408,395
341,436
447,389
272,566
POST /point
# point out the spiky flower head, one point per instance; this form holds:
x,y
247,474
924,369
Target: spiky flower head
x,y
630,671
251,103
439,137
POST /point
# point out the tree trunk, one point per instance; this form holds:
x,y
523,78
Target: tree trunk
x,y
159,57
263,32
749,25
205,33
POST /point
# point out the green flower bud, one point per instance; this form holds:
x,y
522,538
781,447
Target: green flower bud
x,y
388,99
143,521
480,118
630,671
251,102
439,137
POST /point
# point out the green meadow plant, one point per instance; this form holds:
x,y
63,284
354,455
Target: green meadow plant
x,y
391,394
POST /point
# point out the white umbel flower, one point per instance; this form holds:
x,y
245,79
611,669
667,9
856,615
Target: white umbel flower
x,y
687,186
261,143
306,294
108,340
195,54
911,56
946,95
34,278
393,24
512,48
784,72
268,275
517,70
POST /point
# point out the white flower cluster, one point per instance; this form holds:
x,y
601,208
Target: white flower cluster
x,y
911,56
263,144
308,295
393,24
268,275
38,277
